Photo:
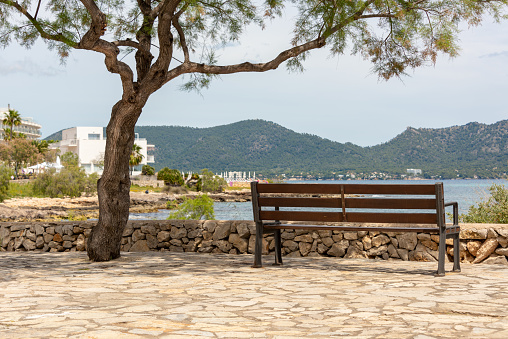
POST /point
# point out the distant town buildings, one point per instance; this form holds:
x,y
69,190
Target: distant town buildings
x,y
414,171
89,143
28,127
238,176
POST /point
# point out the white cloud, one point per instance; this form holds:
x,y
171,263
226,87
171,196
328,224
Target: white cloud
x,y
27,66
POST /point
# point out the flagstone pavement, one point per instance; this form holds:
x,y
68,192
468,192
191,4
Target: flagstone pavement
x,y
190,295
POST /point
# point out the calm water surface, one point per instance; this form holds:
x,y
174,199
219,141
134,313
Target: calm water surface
x,y
465,192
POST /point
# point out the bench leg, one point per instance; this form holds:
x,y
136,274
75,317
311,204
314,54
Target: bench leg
x,y
278,248
258,246
456,253
442,254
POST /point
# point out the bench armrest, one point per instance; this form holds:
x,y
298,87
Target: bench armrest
x,y
455,211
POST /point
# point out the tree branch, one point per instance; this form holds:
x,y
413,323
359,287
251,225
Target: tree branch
x,y
55,37
192,67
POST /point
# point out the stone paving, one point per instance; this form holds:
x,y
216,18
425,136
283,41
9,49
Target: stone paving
x,y
189,295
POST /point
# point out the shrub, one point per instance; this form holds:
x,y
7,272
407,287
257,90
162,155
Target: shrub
x,y
195,209
147,170
71,182
492,211
5,176
212,182
170,176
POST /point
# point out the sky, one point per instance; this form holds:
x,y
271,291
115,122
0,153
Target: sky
x,y
337,98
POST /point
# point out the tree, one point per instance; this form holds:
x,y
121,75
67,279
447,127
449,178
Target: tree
x,y
11,119
170,176
19,153
5,176
174,38
212,182
136,157
147,170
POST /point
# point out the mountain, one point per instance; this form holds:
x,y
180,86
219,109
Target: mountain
x,y
256,145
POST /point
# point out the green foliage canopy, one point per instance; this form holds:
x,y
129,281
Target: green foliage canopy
x,y
195,209
211,182
494,210
71,182
147,170
394,35
5,176
170,176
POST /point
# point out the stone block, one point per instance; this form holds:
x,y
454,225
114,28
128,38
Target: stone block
x,y
502,251
48,238
379,240
503,232
139,246
473,247
194,233
322,249
290,245
264,245
392,251
324,233
420,254
403,254
127,232
328,242
177,232
367,242
39,230
222,230
301,231
151,241
223,245
353,253
377,251
473,234
503,241
149,229
407,241
307,238
163,236
496,259
29,245
39,242
339,248
304,248
137,235
30,235
67,244
241,243
50,230
430,244
361,234
210,225
81,244
67,229
243,230
488,247
350,235
491,233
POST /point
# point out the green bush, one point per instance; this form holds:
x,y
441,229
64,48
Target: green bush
x,y
5,176
194,209
212,182
170,176
147,170
492,211
70,182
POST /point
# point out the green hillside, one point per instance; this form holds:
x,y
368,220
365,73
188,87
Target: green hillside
x,y
265,147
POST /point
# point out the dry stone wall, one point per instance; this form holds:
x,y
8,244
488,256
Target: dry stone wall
x,y
479,243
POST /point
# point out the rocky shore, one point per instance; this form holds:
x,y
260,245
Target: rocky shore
x,y
46,209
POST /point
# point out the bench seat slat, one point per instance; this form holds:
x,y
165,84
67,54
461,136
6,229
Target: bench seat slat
x,y
377,203
353,228
401,218
399,189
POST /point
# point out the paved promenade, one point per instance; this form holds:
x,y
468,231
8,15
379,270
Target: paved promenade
x,y
188,295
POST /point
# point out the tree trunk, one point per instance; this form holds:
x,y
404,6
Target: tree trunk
x,y
113,188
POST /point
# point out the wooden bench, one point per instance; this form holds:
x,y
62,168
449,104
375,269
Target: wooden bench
x,y
412,207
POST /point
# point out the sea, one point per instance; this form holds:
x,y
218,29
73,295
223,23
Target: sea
x,y
466,192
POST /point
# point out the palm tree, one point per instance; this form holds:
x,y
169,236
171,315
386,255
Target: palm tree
x,y
136,157
12,118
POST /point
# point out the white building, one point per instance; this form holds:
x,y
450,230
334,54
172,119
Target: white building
x,y
28,127
89,143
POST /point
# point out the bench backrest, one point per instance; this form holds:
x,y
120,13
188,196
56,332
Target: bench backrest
x,y
373,203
